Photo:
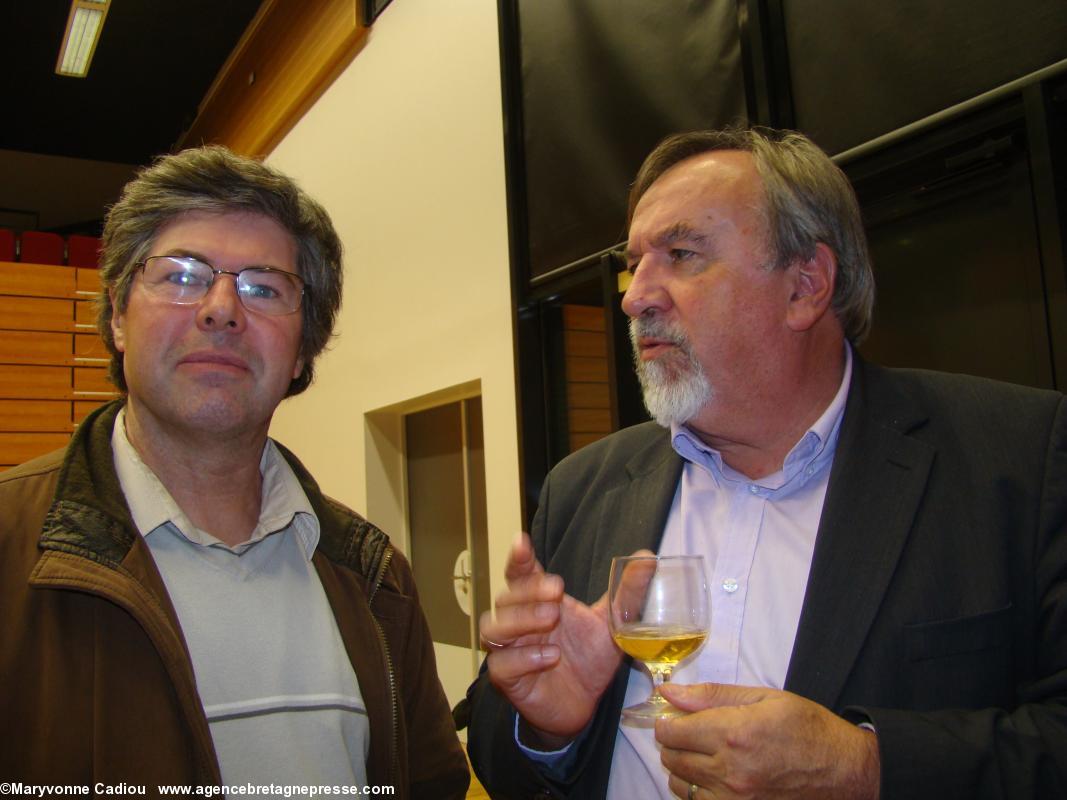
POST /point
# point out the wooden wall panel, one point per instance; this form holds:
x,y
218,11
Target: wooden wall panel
x,y
18,447
44,364
87,282
35,383
587,344
89,349
85,316
36,280
590,420
40,416
587,369
583,318
35,314
83,408
588,395
92,380
33,347
585,353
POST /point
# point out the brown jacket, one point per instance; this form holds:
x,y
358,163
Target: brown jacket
x,y
96,684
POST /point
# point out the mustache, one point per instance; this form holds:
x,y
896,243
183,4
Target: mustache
x,y
655,327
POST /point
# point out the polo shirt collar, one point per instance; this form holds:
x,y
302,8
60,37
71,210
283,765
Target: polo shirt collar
x,y
285,504
807,458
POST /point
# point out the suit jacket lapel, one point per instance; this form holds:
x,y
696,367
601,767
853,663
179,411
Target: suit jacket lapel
x,y
634,513
878,478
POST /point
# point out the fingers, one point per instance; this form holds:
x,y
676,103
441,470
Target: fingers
x,y
521,559
507,666
529,606
534,610
698,696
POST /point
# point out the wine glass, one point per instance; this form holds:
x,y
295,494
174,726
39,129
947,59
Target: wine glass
x,y
659,616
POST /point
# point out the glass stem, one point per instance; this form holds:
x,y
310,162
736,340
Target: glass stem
x,y
660,676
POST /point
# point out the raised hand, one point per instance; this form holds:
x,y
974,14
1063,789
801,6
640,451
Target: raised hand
x,y
752,742
550,655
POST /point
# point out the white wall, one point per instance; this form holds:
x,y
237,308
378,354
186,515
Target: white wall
x,y
405,150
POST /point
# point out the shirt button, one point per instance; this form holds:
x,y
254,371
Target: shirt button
x,y
753,488
730,585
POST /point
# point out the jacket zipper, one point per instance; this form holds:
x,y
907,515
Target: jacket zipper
x,y
394,752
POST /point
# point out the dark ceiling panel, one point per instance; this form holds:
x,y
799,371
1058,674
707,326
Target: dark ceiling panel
x,y
153,65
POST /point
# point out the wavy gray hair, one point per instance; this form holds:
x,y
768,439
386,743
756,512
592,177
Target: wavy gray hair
x,y
808,200
214,180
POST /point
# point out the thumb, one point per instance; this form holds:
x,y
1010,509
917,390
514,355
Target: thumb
x,y
698,696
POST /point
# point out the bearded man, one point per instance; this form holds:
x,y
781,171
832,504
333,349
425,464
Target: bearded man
x,y
886,551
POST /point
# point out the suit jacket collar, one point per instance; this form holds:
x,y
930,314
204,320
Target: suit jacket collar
x,y
877,480
634,512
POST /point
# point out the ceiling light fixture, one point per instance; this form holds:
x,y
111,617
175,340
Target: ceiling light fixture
x,y
84,24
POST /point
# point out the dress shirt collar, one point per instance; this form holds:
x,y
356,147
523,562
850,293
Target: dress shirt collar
x,y
808,457
284,502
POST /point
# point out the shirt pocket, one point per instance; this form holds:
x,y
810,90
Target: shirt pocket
x,y
960,636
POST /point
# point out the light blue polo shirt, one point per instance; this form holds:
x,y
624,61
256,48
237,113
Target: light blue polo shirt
x,y
278,688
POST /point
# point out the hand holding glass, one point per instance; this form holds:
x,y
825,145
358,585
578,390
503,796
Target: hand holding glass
x,y
659,616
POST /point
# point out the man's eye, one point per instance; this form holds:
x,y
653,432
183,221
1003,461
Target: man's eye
x,y
680,254
261,291
183,278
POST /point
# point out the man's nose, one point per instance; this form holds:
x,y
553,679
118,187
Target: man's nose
x,y
221,307
646,291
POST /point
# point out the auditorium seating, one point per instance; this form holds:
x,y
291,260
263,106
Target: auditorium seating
x,y
7,245
41,247
83,251
53,364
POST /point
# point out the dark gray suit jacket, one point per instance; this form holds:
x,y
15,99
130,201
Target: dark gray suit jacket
x,y
937,598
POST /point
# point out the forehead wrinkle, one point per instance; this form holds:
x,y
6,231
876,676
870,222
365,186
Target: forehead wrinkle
x,y
679,232
673,234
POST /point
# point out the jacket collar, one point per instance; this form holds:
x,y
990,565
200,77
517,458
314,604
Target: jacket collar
x,y
634,512
877,480
89,516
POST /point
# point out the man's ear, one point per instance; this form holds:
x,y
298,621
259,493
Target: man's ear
x,y
813,288
118,319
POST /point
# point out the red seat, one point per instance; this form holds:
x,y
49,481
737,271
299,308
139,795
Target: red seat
x,y
83,251
39,247
7,245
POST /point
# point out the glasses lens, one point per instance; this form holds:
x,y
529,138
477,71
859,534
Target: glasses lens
x,y
270,291
178,280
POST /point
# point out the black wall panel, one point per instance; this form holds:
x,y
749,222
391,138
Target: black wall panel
x,y
862,68
601,82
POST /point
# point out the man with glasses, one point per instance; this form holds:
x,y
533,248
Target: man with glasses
x,y
181,603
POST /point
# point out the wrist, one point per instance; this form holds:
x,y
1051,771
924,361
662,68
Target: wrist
x,y
536,739
868,775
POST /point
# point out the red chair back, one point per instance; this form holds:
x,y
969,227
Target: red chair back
x,y
83,251
40,247
7,245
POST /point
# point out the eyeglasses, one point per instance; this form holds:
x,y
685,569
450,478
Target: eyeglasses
x,y
186,281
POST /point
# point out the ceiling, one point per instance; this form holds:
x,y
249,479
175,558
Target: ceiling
x,y
154,63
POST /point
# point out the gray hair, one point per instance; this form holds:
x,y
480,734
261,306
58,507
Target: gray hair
x,y
214,180
808,200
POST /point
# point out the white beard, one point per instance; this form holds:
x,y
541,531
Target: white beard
x,y
675,386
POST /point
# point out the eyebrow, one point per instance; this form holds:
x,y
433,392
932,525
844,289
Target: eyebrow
x,y
181,252
678,232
